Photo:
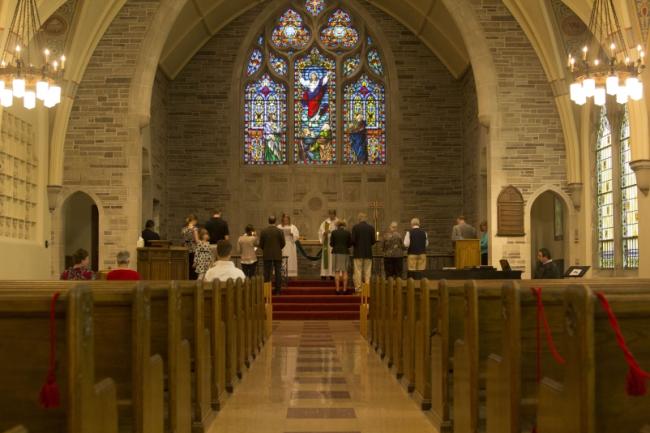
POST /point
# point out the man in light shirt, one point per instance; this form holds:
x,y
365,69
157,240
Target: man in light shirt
x,y
224,269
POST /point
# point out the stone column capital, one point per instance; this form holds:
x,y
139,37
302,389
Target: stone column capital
x,y
641,169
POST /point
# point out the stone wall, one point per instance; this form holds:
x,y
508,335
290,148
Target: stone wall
x,y
424,176
159,133
474,189
530,152
101,157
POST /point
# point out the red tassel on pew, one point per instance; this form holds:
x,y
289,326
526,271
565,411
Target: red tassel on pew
x,y
50,396
542,321
635,384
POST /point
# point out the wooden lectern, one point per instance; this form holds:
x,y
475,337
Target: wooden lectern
x,y
163,263
468,253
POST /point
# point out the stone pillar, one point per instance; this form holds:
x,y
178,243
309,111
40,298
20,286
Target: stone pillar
x,y
642,170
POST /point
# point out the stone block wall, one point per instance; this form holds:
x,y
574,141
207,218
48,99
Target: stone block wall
x,y
102,157
158,141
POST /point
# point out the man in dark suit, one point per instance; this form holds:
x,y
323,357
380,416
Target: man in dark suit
x,y
546,268
148,234
217,227
271,242
363,238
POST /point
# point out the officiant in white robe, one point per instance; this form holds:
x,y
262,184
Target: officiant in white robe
x,y
326,227
291,235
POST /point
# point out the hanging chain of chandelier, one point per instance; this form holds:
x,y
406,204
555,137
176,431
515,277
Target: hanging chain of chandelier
x,y
606,66
28,70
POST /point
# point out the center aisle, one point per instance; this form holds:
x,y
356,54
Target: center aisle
x,y
319,376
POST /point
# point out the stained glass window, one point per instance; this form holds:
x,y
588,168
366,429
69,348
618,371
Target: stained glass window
x,y
278,64
315,7
254,62
315,109
339,32
351,64
604,193
365,122
306,51
290,32
265,120
374,62
629,204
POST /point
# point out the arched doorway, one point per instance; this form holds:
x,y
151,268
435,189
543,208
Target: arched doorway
x,y
548,228
80,228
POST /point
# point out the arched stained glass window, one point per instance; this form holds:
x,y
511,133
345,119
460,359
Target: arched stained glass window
x,y
339,33
365,122
605,193
629,204
265,119
290,32
315,109
310,50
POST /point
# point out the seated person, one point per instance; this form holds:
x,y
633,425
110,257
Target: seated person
x,y
122,272
224,268
81,269
546,269
148,234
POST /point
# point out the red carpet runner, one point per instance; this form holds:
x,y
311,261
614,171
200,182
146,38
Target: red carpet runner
x,y
314,300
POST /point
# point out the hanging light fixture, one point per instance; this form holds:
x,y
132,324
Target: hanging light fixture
x,y
606,65
27,69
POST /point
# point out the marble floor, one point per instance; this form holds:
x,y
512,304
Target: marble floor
x,y
319,376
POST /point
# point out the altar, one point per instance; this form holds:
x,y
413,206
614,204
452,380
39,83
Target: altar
x,y
309,269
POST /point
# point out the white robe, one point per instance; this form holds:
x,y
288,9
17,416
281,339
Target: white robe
x,y
291,235
326,271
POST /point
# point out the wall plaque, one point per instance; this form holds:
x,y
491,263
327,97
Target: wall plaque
x,y
510,212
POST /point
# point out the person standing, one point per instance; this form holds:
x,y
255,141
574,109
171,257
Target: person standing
x,y
148,234
363,238
217,227
224,269
272,242
324,230
546,268
393,246
462,230
247,244
416,241
81,268
203,258
341,241
190,236
123,273
484,243
291,235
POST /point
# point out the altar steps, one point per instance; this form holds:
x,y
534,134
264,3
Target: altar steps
x,y
314,300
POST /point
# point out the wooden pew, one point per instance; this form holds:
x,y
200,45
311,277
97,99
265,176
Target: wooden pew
x,y
396,310
18,429
590,397
24,324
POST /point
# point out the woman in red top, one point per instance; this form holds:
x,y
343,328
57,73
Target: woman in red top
x,y
123,272
80,270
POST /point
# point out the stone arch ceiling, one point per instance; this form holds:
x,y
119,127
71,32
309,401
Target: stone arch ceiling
x,y
428,19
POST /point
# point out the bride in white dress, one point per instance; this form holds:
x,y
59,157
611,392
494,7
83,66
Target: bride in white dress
x,y
291,235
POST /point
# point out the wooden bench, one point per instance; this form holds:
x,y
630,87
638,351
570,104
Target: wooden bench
x,y
590,396
175,315
90,405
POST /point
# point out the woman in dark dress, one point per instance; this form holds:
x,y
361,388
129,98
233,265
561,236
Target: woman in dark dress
x,y
340,241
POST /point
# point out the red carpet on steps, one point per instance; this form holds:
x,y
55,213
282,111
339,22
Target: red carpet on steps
x,y
314,300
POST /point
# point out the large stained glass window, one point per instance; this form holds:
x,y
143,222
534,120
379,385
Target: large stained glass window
x,y
629,204
605,193
365,125
314,48
265,119
315,109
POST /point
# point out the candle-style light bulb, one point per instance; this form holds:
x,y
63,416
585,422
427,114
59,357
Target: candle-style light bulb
x,y
584,52
62,62
46,53
55,65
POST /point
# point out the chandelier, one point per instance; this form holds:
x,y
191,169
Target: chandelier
x,y
27,69
606,66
